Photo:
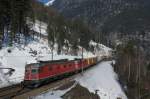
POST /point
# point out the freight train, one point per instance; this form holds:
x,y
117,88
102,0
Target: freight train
x,y
37,74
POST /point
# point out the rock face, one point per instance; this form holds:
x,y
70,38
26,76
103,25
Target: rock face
x,y
80,92
114,19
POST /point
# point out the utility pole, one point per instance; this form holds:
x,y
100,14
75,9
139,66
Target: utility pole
x,y
53,42
82,61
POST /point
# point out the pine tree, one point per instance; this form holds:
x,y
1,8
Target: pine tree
x,y
5,17
19,13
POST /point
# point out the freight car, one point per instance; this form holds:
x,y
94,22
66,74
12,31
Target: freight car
x,y
37,74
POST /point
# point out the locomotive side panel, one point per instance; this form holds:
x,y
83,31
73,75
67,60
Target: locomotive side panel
x,y
31,73
54,70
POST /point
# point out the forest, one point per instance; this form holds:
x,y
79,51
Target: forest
x,y
14,26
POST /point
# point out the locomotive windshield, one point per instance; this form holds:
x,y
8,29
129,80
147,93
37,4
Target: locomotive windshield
x,y
34,71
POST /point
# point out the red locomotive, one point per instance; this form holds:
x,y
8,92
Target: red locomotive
x,y
40,73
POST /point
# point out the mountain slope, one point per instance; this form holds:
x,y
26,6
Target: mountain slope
x,y
95,12
112,20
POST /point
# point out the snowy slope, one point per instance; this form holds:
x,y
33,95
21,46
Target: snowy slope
x,y
50,2
17,59
38,27
101,77
47,2
53,94
100,49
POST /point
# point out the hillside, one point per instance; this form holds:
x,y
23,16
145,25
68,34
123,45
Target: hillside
x,y
95,12
110,19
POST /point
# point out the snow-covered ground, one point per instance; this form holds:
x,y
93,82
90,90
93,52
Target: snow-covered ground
x,y
101,77
38,27
100,49
51,94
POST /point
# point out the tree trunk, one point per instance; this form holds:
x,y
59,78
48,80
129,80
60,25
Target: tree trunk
x,y
129,66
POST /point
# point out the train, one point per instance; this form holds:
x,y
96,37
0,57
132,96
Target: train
x,y
42,72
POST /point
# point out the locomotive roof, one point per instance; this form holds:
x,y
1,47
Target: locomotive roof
x,y
42,63
53,61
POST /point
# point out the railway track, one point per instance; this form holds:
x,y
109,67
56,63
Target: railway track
x,y
45,88
9,92
18,92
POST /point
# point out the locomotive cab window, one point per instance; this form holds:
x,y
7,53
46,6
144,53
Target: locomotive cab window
x,y
34,71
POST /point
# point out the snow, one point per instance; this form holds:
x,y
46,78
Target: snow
x,y
100,49
16,60
50,3
38,27
101,77
53,94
